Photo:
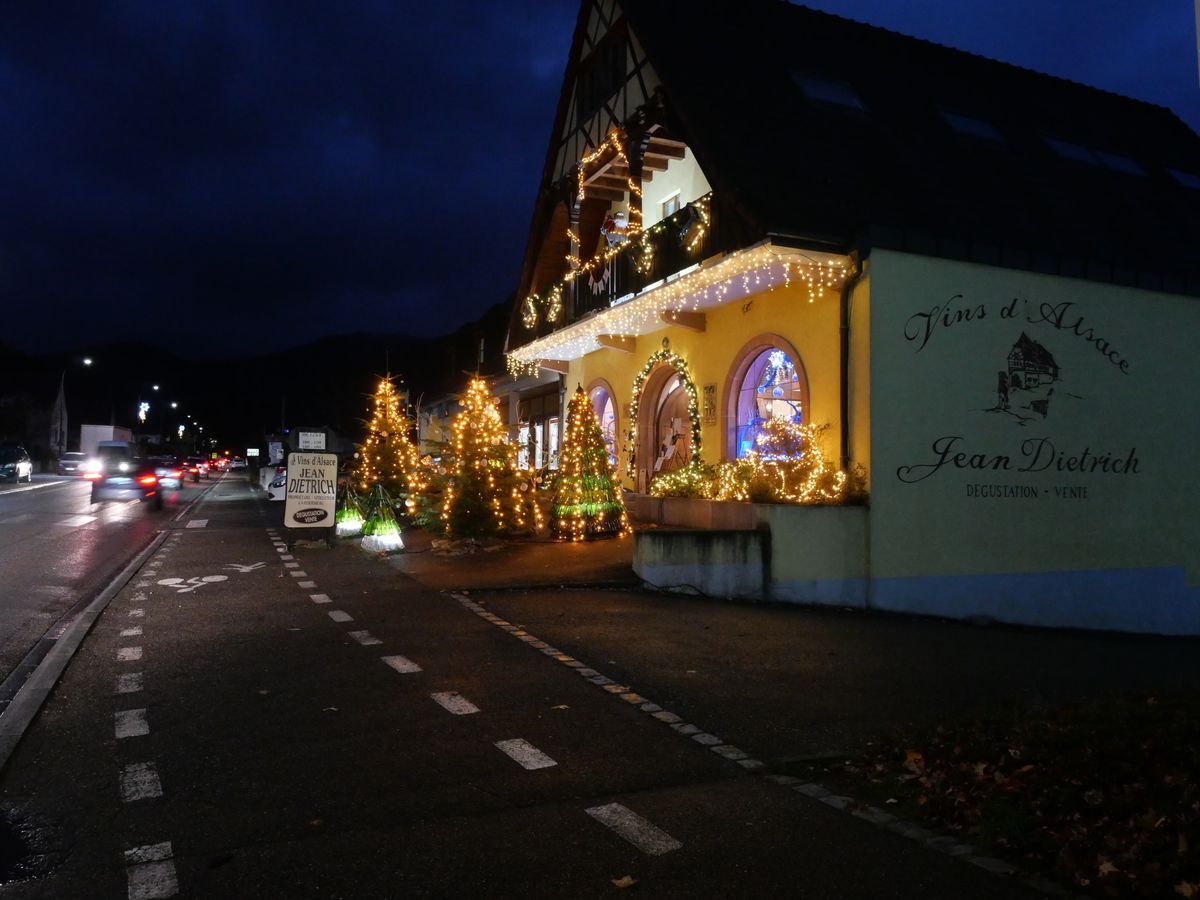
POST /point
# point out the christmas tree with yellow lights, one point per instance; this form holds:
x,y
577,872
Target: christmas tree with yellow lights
x,y
587,502
480,480
387,457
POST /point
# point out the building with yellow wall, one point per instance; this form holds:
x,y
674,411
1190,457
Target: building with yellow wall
x,y
983,280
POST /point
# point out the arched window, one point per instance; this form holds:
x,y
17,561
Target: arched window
x,y
605,408
769,383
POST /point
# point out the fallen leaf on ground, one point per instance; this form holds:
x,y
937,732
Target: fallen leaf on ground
x,y
1187,889
624,881
561,706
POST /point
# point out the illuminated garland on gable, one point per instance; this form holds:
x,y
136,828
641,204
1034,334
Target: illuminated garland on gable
x,y
679,364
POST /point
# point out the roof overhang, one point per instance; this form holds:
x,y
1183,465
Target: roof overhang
x,y
716,282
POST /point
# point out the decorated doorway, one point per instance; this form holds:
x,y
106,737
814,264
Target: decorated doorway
x,y
666,417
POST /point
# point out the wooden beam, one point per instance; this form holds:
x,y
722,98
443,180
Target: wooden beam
x,y
561,366
616,342
693,320
665,152
655,163
599,193
666,141
609,182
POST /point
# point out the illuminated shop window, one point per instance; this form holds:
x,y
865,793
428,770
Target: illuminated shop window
x,y
770,389
606,415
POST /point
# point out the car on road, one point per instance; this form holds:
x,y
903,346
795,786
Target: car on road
x,y
71,463
15,463
133,480
237,463
196,467
169,471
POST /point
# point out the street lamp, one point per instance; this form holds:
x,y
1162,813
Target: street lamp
x,y
87,360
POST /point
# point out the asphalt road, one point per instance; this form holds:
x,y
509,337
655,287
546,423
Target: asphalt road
x,y
249,722
58,549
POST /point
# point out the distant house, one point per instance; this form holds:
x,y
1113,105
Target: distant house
x,y
1030,364
870,215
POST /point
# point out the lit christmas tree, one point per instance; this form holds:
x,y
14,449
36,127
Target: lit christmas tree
x,y
479,486
387,457
588,500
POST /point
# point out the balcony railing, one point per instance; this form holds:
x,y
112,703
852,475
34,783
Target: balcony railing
x,y
694,233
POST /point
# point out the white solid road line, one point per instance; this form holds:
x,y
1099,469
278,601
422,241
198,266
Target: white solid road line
x,y
338,616
151,872
197,523
76,521
139,781
129,683
129,654
401,664
454,702
648,838
131,723
320,598
30,487
523,752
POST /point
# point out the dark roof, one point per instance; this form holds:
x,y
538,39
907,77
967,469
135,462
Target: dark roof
x,y
1033,352
762,92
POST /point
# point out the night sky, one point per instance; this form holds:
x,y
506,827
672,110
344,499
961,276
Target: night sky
x,y
274,172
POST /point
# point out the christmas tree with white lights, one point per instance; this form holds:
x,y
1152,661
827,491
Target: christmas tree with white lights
x,y
587,502
387,457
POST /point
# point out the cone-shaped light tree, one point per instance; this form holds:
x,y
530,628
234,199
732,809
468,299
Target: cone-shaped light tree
x,y
588,501
387,456
479,469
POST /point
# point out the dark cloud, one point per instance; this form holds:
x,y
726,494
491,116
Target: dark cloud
x,y
362,164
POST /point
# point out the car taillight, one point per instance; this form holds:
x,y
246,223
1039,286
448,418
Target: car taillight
x,y
176,473
92,476
148,479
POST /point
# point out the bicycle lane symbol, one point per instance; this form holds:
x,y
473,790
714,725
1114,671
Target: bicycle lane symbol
x,y
186,586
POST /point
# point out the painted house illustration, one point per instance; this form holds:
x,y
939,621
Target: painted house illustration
x,y
1030,364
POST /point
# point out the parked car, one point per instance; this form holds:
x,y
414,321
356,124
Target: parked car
x,y
169,471
15,463
71,463
196,467
134,480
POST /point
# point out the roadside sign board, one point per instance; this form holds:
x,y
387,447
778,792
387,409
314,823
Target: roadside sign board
x,y
311,496
251,451
275,452
312,440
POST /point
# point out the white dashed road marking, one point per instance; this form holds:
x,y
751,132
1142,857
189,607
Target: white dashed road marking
x,y
291,565
524,753
401,664
296,573
139,781
198,523
648,838
456,703
338,616
131,632
137,613
320,598
129,683
131,723
287,556
128,654
307,585
151,872
364,637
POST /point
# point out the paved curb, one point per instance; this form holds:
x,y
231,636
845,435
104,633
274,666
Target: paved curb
x,y
33,693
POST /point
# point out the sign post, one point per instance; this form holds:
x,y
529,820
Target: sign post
x,y
311,498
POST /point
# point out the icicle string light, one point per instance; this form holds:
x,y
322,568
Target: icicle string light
x,y
757,270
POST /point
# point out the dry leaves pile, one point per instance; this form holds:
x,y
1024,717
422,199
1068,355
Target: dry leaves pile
x,y
1103,795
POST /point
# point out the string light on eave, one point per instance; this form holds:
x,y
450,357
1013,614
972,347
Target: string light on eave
x,y
758,270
